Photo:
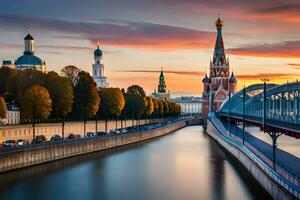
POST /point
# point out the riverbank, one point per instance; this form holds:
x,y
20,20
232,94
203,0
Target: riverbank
x,y
279,185
55,151
185,164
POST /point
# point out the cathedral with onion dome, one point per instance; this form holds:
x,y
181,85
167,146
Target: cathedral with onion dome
x,y
28,60
98,69
219,83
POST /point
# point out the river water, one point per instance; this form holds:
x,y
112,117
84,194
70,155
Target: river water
x,y
186,164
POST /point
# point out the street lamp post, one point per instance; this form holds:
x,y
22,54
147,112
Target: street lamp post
x,y
229,112
244,101
265,80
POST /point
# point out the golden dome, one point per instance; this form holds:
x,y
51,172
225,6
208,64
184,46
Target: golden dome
x,y
219,23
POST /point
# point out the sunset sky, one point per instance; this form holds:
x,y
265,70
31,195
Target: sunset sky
x,y
138,37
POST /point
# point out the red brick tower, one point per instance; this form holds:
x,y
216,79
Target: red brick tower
x,y
219,83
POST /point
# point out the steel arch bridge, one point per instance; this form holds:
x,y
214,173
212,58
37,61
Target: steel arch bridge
x,y
275,108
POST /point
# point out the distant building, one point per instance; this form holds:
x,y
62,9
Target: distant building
x,y
189,105
219,83
161,93
28,60
98,69
13,114
8,63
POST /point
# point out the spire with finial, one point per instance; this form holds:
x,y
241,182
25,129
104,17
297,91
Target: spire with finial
x,y
162,84
219,58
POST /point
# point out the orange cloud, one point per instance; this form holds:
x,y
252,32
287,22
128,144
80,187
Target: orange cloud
x,y
286,49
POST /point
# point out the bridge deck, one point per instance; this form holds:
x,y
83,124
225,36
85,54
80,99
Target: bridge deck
x,y
286,160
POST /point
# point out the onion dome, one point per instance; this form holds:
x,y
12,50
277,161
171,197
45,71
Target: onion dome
x,y
232,78
219,23
206,79
98,52
28,61
28,37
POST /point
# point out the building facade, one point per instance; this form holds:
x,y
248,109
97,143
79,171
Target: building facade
x,y
13,115
8,63
189,105
28,60
98,69
219,83
161,93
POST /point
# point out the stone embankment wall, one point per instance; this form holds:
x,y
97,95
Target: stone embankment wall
x,y
266,176
55,151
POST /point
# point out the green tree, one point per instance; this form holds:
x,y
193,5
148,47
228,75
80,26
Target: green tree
x,y
61,93
36,105
5,74
86,99
71,72
136,90
3,108
130,106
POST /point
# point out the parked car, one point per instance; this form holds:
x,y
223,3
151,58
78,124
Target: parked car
x,y
101,133
114,131
77,136
39,139
91,134
55,138
124,130
9,143
22,142
72,136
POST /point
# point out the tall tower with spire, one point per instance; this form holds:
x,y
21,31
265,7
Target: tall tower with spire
x,y
161,93
162,84
218,83
98,69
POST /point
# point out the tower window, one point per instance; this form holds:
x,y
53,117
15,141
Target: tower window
x,y
95,72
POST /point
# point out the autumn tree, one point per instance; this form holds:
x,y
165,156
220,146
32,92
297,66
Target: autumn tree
x,y
71,72
155,107
161,108
136,90
36,104
86,99
113,103
3,108
22,80
149,106
61,93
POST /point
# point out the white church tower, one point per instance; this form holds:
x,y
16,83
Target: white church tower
x,y
98,69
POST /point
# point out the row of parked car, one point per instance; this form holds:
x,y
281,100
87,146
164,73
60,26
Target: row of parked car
x,y
41,138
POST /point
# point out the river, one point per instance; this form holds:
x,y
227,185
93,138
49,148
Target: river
x,y
185,164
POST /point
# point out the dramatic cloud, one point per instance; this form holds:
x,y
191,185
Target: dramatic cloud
x,y
124,34
283,12
294,65
287,49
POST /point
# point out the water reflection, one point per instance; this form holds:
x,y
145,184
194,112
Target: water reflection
x,y
217,173
184,165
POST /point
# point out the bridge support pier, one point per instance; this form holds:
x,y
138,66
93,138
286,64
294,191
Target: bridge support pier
x,y
274,136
